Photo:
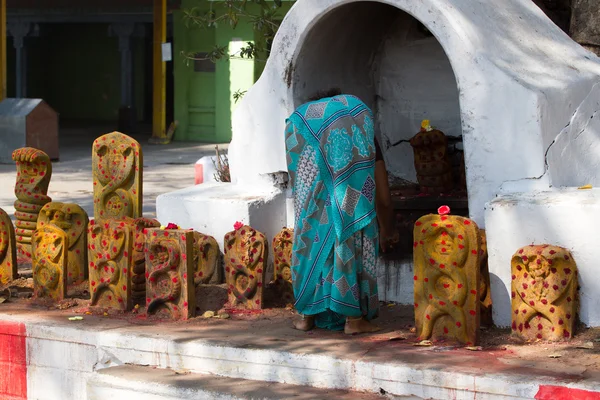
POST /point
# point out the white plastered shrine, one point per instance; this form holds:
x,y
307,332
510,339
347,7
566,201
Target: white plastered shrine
x,y
519,91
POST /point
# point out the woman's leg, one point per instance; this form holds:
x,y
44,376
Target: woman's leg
x,y
356,325
366,243
306,323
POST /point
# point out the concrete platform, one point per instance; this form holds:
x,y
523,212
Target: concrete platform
x,y
213,208
46,356
149,383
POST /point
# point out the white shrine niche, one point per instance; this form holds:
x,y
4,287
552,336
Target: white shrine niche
x,y
390,61
522,94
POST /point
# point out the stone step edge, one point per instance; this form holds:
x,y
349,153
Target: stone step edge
x,y
139,382
113,348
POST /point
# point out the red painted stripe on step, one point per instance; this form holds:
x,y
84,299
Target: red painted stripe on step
x,y
547,392
13,361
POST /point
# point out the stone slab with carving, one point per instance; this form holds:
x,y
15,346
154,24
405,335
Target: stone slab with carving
x,y
485,292
73,220
432,164
8,249
170,288
34,171
246,254
208,269
138,270
544,293
117,164
110,250
49,260
446,280
282,257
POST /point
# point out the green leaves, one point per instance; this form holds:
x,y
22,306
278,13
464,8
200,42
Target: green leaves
x,y
265,21
261,14
237,96
250,51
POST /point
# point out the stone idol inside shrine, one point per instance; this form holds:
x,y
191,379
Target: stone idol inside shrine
x,y
440,173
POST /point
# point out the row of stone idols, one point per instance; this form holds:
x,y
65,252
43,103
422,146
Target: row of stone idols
x,y
117,179
452,284
130,260
135,261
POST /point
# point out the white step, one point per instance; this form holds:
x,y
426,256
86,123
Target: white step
x,y
147,383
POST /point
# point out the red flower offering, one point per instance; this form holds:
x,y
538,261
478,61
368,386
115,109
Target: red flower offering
x,y
172,226
444,210
238,225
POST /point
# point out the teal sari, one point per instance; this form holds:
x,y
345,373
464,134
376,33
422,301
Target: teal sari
x,y
331,160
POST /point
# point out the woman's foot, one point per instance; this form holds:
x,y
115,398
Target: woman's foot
x,y
359,325
305,324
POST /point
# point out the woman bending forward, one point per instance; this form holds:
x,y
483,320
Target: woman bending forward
x,y
331,156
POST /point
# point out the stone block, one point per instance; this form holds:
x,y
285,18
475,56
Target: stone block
x,y
73,220
212,208
395,280
110,251
138,270
170,288
544,293
34,171
282,259
50,247
246,252
117,164
485,292
8,249
207,260
447,266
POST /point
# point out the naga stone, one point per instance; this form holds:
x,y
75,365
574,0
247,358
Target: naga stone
x,y
110,250
8,249
34,171
282,255
544,293
73,221
207,266
170,289
49,260
447,267
246,253
433,166
485,292
117,174
138,271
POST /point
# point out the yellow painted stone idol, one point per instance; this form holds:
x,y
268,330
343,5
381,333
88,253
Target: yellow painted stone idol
x,y
447,262
73,221
544,293
117,164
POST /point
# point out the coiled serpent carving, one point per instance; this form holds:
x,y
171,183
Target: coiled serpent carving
x,y
34,171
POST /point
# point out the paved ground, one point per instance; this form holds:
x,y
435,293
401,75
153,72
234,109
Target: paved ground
x,y
166,168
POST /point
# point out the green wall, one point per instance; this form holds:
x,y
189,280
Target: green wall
x,y
204,101
76,69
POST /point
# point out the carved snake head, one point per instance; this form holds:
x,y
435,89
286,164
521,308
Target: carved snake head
x,y
115,157
70,218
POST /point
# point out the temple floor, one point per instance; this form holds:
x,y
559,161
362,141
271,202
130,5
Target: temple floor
x,y
261,345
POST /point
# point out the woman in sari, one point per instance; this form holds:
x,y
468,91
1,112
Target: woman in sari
x,y
332,158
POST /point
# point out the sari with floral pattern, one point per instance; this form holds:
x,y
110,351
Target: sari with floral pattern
x,y
331,160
